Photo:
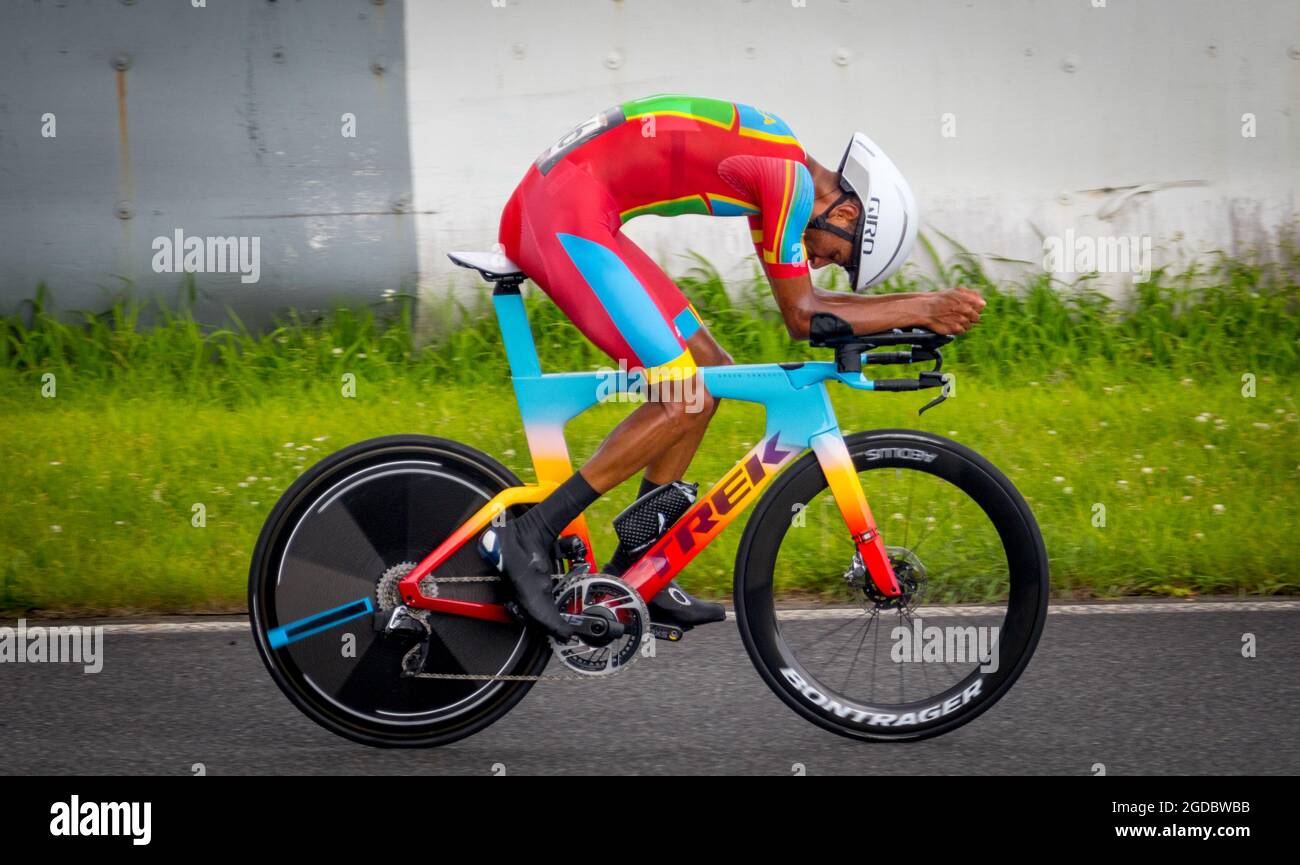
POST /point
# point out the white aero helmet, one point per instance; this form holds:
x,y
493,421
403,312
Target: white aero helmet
x,y
886,230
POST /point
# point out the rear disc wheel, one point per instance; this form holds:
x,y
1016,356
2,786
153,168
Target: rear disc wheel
x,y
338,539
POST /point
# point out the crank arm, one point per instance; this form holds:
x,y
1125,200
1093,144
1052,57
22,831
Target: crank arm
x,y
593,626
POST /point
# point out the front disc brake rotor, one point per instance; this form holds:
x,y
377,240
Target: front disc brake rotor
x,y
908,570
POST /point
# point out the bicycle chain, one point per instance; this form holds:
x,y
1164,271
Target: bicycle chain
x,y
474,677
485,677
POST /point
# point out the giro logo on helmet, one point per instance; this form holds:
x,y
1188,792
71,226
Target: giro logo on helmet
x,y
869,227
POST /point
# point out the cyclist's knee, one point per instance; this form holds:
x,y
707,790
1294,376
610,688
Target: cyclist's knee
x,y
714,355
687,403
706,351
698,401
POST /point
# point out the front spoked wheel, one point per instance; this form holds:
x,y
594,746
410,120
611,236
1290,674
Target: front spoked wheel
x,y
967,553
324,576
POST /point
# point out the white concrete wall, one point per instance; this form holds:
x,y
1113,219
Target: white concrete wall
x,y
222,121
1059,107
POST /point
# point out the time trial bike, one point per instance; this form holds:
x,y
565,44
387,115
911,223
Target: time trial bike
x,y
376,616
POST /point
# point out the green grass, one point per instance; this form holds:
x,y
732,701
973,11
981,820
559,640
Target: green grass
x,y
1228,319
1136,406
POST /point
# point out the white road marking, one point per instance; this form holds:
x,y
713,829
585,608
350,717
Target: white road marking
x,y
216,627
929,612
1100,609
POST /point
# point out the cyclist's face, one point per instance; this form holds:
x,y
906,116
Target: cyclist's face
x,y
823,248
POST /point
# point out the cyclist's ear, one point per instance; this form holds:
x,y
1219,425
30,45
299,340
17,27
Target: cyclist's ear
x,y
846,213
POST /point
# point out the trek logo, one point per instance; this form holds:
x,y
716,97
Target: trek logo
x,y
727,498
871,218
901,454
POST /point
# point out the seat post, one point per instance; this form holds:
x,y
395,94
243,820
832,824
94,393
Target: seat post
x,y
516,333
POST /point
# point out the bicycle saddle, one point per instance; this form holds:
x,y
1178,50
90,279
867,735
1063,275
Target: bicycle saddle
x,y
492,266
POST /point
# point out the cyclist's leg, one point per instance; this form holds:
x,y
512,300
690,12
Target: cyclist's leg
x,y
672,435
563,230
674,605
657,322
671,465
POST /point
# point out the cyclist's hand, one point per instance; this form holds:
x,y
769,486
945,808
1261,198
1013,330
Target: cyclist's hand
x,y
954,310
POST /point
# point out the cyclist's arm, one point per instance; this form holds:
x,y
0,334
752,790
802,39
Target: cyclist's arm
x,y
783,189
953,311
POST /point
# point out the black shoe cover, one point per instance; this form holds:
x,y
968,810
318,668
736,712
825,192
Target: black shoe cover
x,y
673,606
523,555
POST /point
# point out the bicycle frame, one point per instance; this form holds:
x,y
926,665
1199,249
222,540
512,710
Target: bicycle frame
x,y
799,417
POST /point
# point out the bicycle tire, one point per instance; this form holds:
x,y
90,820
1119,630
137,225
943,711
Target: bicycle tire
x,y
1027,591
443,481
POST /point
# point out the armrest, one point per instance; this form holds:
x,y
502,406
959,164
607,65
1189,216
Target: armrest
x,y
828,330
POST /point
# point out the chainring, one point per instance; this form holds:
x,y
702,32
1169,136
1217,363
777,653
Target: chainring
x,y
586,591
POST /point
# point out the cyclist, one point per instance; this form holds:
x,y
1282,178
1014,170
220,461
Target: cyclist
x,y
669,155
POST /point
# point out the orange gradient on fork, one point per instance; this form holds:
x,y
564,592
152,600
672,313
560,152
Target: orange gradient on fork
x,y
845,485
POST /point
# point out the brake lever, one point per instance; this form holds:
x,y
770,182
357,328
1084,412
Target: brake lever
x,y
932,403
931,375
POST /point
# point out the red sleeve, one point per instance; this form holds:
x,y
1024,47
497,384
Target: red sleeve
x,y
783,190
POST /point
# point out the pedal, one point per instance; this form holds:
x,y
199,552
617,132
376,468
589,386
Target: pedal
x,y
671,633
574,552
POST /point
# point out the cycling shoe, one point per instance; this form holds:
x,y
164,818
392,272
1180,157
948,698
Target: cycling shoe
x,y
524,557
673,606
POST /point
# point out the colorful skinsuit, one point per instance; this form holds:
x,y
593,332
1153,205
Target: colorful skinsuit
x,y
664,155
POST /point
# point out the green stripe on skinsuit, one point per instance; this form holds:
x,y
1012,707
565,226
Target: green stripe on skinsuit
x,y
715,110
675,207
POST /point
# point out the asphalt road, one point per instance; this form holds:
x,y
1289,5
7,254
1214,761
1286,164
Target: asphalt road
x,y
1140,692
